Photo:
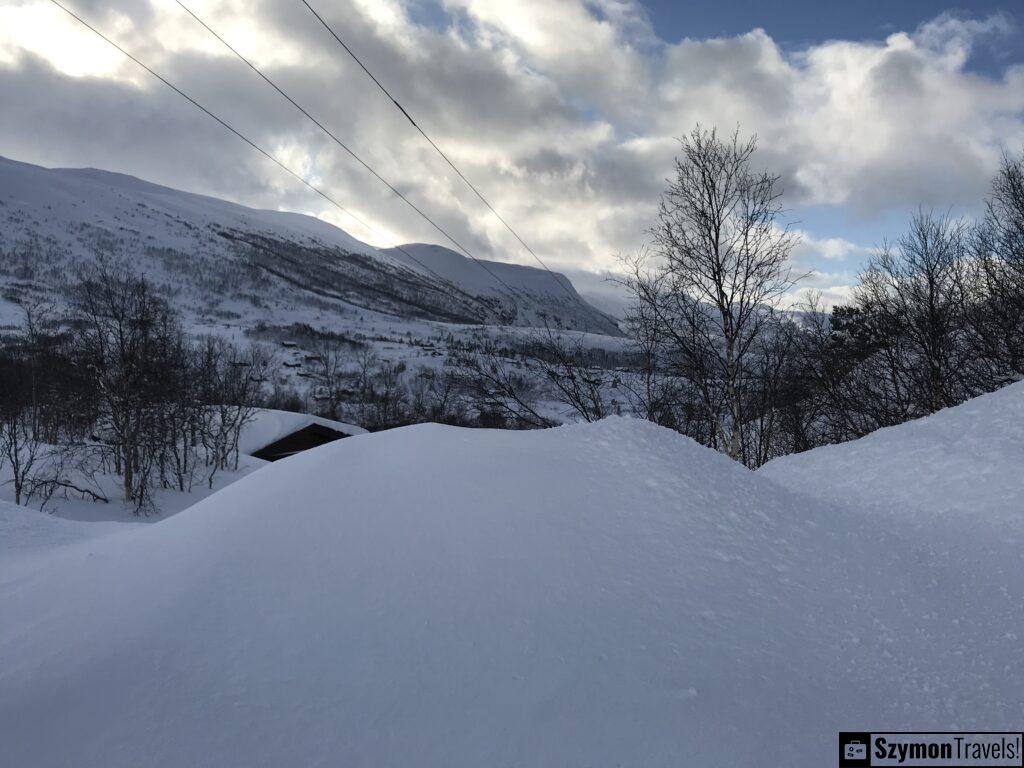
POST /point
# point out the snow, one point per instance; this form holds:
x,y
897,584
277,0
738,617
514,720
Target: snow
x,y
458,269
601,594
961,464
534,290
178,240
106,199
268,426
25,531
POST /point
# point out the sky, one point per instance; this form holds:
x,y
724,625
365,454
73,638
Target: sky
x,y
565,113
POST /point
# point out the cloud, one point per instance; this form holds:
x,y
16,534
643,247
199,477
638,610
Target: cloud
x,y
564,113
830,288
827,296
830,248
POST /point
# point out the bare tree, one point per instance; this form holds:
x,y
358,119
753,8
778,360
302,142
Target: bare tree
x,y
23,452
562,362
330,371
722,267
999,248
388,395
231,383
655,392
773,404
435,395
367,363
117,317
503,392
917,294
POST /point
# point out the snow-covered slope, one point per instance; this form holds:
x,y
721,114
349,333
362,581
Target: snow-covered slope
x,y
601,595
222,257
25,531
540,294
963,465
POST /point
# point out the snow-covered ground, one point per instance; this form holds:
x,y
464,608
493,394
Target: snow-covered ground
x,y
961,464
265,426
25,531
603,594
74,506
266,277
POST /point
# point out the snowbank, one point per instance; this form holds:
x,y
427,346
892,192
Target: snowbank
x,y
964,464
25,531
600,595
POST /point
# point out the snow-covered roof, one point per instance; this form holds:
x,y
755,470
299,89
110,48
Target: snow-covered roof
x,y
268,426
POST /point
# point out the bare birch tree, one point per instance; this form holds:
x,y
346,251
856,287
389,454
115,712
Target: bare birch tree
x,y
723,268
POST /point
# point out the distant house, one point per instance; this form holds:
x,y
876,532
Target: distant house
x,y
274,435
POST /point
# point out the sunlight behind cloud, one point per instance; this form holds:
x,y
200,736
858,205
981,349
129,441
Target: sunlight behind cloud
x,y
45,30
564,114
259,42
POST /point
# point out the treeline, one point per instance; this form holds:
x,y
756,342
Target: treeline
x,y
936,318
719,351
113,385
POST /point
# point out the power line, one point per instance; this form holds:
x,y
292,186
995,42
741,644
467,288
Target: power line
x,y
439,151
258,148
344,146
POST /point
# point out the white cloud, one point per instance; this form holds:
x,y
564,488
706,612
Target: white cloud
x,y
831,248
563,113
827,296
830,288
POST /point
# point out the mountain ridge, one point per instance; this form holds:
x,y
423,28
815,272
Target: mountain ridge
x,y
55,220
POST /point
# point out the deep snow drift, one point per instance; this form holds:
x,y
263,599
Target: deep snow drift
x,y
25,531
598,595
963,465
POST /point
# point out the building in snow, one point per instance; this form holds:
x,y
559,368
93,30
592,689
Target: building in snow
x,y
274,435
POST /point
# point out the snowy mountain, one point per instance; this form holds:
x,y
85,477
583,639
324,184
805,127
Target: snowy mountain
x,y
602,594
539,293
220,259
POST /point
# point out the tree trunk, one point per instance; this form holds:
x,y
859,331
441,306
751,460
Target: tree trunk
x,y
732,398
